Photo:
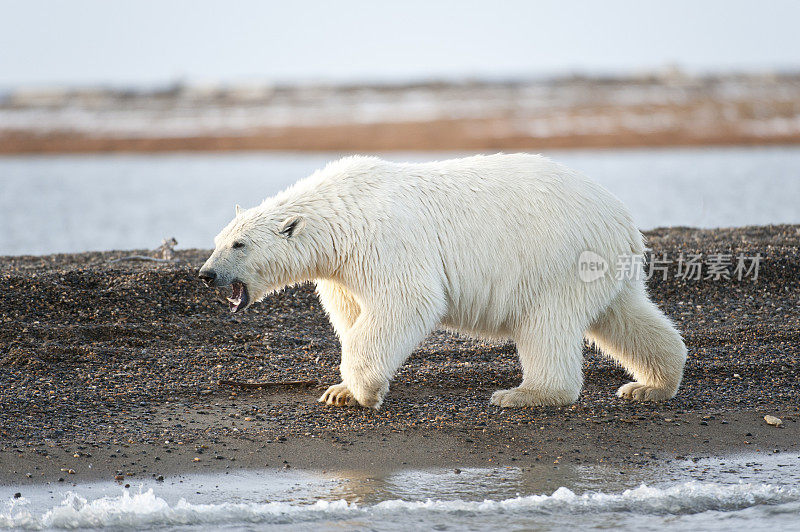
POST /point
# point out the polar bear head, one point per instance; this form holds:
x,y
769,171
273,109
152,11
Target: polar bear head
x,y
261,250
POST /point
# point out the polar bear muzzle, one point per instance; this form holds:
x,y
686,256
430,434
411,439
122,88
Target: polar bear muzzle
x,y
241,297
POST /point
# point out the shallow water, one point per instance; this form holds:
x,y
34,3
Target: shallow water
x,y
77,203
757,493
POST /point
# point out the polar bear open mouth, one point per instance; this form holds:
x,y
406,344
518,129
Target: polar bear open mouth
x,y
240,298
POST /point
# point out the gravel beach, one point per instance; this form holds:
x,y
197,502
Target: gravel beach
x,y
113,369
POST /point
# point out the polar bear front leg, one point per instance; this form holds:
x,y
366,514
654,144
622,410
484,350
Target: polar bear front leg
x,y
340,305
372,350
340,395
551,360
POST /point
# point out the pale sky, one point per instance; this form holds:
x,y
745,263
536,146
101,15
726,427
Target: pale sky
x,y
146,42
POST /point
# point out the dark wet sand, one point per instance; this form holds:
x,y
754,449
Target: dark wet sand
x,y
102,364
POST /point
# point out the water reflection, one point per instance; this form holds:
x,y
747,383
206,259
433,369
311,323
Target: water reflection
x,y
476,484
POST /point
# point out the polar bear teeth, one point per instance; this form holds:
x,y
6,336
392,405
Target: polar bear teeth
x,y
239,298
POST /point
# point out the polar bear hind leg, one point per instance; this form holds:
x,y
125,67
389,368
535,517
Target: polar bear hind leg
x,y
550,351
635,333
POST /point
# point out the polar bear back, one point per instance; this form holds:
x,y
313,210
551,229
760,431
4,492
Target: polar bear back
x,y
483,237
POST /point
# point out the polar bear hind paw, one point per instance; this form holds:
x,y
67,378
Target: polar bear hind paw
x,y
338,395
637,391
521,397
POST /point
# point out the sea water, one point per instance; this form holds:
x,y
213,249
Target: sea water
x,y
73,203
732,493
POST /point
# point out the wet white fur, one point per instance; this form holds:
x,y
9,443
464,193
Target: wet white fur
x,y
485,245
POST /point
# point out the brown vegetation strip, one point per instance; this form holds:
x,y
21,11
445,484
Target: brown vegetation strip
x,y
418,136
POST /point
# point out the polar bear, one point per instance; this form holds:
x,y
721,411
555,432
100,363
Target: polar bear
x,y
491,246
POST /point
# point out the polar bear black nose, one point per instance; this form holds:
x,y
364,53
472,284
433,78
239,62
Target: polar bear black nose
x,y
208,277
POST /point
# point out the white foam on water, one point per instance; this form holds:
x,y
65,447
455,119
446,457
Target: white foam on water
x,y
753,492
145,509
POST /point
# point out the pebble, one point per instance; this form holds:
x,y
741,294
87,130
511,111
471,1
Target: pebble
x,y
772,420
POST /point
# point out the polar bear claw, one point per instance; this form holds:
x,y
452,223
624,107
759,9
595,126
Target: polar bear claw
x,y
338,395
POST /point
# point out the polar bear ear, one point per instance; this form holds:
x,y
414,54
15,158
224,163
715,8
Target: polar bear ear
x,y
291,226
238,210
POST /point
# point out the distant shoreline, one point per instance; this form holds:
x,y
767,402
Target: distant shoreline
x,y
673,109
113,368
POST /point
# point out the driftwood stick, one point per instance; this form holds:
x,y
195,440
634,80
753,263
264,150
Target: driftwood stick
x,y
144,258
165,253
279,384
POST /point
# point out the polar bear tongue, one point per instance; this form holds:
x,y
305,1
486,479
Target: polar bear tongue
x,y
239,299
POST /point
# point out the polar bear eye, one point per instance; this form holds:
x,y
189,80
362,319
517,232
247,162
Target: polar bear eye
x,y
238,244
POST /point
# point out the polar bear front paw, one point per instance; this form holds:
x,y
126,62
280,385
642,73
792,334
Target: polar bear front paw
x,y
338,395
519,397
643,392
